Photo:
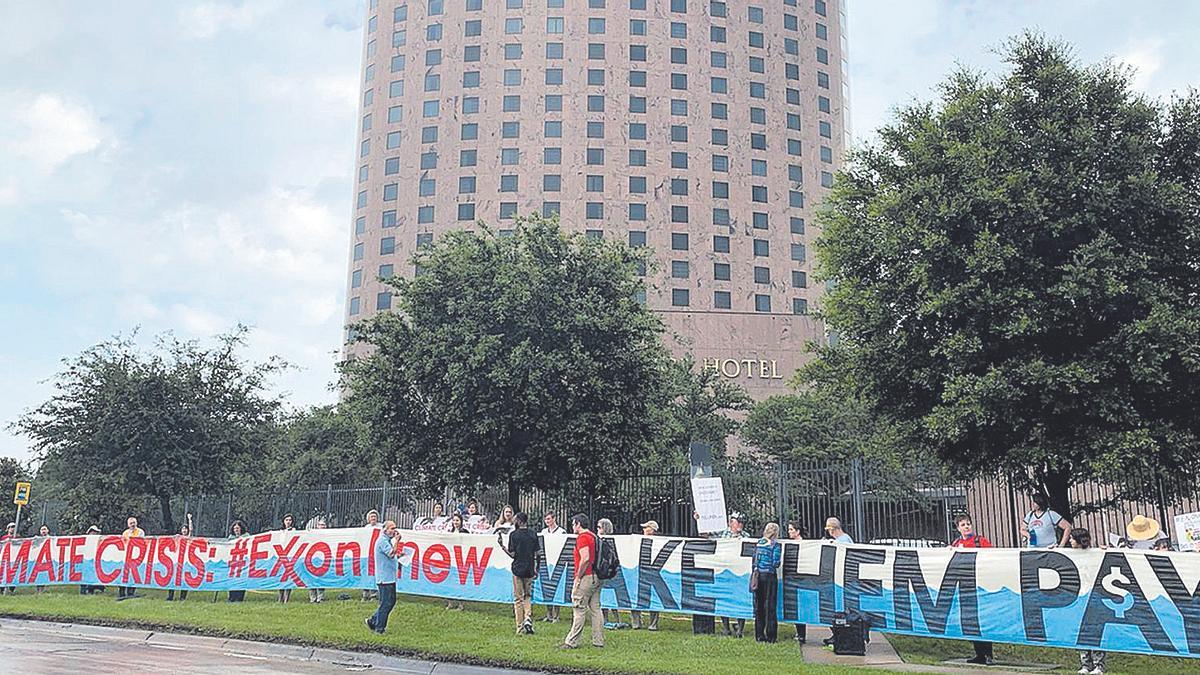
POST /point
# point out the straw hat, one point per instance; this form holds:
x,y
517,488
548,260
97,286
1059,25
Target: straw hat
x,y
1142,528
652,524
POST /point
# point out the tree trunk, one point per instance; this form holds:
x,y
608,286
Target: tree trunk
x,y
164,503
514,494
1057,485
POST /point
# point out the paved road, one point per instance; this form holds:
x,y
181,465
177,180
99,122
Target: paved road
x,y
40,647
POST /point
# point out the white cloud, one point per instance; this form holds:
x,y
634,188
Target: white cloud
x,y
205,20
48,132
199,321
1146,58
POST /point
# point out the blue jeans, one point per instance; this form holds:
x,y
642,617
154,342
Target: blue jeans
x,y
387,600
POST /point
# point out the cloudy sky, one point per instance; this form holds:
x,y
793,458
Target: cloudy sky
x,y
186,165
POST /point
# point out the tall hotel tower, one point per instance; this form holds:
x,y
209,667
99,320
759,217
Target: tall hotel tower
x,y
708,131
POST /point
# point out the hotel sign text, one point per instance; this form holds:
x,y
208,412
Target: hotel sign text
x,y
762,369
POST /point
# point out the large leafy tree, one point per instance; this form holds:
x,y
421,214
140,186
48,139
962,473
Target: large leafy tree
x,y
1015,271
128,424
318,446
523,360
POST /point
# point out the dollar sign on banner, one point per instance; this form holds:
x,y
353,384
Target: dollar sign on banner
x,y
1110,584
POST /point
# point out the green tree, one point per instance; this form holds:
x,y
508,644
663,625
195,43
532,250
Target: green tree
x,y
523,361
703,408
127,425
318,446
1015,272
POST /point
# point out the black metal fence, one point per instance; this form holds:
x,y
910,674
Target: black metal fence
x,y
904,505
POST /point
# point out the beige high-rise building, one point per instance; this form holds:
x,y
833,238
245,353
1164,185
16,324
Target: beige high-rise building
x,y
706,130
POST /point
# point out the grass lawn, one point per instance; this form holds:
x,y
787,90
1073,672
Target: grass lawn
x,y
935,651
483,634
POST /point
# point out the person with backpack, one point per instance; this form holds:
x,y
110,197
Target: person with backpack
x,y
764,583
585,590
522,547
969,538
604,542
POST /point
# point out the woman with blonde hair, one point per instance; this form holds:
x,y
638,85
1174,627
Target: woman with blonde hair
x,y
604,528
764,582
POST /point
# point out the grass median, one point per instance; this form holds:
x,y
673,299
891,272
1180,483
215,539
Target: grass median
x,y
934,652
482,634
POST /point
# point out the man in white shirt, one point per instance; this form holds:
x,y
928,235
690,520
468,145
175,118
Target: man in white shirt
x,y
551,527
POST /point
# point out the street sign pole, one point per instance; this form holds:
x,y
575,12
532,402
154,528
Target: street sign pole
x,y
20,498
18,523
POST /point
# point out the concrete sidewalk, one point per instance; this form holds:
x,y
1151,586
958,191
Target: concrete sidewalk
x,y
881,654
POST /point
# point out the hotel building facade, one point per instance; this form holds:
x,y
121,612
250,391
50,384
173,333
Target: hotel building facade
x,y
705,130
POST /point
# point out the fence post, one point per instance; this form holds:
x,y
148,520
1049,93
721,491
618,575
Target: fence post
x,y
383,502
229,512
856,498
328,502
780,496
1012,511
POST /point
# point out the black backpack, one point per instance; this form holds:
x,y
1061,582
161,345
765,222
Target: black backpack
x,y
607,564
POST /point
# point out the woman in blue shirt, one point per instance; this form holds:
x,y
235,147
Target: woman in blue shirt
x,y
764,581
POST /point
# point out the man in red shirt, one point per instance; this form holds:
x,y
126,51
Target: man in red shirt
x,y
967,538
585,591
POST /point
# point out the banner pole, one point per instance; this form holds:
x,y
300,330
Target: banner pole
x,y
18,521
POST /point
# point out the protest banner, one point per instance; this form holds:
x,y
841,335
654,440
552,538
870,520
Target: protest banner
x,y
1115,600
1187,528
708,494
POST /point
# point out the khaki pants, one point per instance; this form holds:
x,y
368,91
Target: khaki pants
x,y
585,603
522,600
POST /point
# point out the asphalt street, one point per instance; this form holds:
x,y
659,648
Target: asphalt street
x,y
42,647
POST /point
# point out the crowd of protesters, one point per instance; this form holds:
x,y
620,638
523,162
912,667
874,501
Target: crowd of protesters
x,y
1041,527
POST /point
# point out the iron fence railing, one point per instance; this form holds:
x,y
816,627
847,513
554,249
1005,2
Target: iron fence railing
x,y
877,503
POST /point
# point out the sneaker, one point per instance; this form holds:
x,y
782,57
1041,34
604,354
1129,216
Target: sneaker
x,y
980,661
1084,670
653,629
370,624
566,646
1097,671
528,627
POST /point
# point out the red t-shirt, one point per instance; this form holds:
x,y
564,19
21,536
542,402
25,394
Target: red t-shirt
x,y
973,541
585,540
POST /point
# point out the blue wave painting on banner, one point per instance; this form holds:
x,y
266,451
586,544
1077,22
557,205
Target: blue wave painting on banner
x,y
1114,600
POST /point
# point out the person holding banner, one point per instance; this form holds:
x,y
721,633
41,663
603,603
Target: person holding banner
x,y
458,527
585,590
317,595
131,530
522,547
968,538
505,523
371,520
10,532
833,530
734,531
184,531
1042,523
87,589
237,530
552,527
797,532
288,525
1091,661
649,529
764,583
387,571
43,531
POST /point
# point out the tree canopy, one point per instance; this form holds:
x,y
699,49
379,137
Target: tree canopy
x,y
126,424
1015,272
524,360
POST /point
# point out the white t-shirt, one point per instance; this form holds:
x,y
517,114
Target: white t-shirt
x,y
1043,529
557,530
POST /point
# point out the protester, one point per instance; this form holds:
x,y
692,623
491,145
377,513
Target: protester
x,y
476,521
522,547
797,532
387,571
734,531
505,523
1143,534
612,617
131,530
237,530
833,530
1090,660
10,532
371,519
288,525
1040,525
87,589
317,595
649,529
764,583
184,531
43,531
552,527
968,538
457,526
585,590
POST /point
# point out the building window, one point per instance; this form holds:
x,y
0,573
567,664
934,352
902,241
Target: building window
x,y
383,301
680,297
762,303
388,219
679,269
762,248
762,275
637,238
799,253
358,251
354,306
679,241
387,246
799,306
386,271
722,300
799,279
721,271
466,211
720,244
508,183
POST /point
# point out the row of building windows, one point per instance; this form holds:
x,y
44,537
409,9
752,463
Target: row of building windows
x,y
715,7
680,241
680,297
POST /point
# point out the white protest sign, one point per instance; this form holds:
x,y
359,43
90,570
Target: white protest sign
x,y
1187,531
709,497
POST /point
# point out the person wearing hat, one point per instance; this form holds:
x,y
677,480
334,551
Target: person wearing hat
x,y
371,520
833,529
736,530
649,529
1143,533
87,589
1042,523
